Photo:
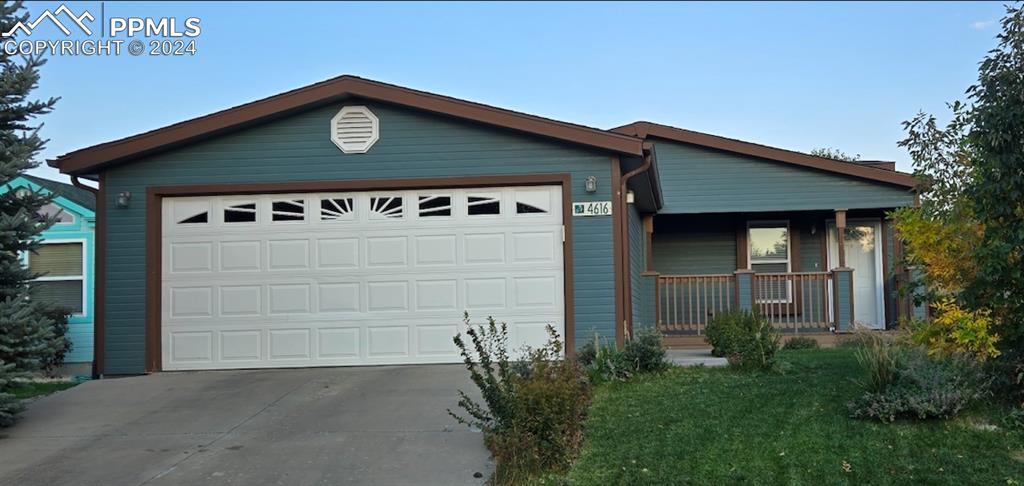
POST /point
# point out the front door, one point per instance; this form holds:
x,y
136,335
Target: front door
x,y
863,243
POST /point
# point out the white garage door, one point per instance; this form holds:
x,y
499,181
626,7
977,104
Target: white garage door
x,y
355,278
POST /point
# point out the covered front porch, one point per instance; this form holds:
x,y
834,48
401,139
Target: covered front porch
x,y
787,266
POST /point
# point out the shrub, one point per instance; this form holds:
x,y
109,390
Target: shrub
x,y
642,354
955,330
906,382
532,411
800,342
723,332
645,353
748,340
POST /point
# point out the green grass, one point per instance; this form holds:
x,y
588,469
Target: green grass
x,y
718,426
36,389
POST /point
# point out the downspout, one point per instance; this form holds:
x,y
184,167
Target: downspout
x,y
77,183
98,351
627,294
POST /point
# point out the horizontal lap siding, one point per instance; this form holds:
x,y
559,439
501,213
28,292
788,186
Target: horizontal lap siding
x,y
695,249
701,180
636,263
412,145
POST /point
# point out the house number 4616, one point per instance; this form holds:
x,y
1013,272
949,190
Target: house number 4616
x,y
599,208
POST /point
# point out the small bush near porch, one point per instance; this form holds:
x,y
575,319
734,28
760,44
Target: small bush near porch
x,y
718,426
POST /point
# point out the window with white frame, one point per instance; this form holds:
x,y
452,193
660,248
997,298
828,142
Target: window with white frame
x,y
63,281
768,246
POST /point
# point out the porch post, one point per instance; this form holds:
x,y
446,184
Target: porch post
x,y
841,236
842,302
744,290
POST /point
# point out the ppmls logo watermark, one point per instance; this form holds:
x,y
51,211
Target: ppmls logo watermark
x,y
164,36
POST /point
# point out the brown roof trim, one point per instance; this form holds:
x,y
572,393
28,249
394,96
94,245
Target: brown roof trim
x,y
644,129
97,156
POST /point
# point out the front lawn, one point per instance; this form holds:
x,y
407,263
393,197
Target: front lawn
x,y
39,388
718,426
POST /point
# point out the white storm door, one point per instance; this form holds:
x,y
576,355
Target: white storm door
x,y
328,279
863,245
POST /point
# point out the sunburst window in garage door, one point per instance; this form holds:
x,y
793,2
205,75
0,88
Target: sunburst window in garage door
x,y
337,209
240,213
533,202
386,207
192,212
288,210
483,204
435,205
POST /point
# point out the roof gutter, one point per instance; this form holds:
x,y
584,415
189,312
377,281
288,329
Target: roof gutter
x,y
623,229
77,183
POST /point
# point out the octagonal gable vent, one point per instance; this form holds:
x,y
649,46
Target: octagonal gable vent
x,y
355,129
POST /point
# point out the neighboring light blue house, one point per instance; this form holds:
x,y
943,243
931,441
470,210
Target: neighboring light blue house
x,y
66,258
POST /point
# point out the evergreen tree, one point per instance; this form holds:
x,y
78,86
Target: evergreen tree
x,y
28,340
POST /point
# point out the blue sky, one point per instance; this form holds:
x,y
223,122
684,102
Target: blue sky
x,y
792,75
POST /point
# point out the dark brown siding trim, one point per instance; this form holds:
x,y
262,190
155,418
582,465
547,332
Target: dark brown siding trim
x,y
618,251
154,205
100,282
336,89
648,129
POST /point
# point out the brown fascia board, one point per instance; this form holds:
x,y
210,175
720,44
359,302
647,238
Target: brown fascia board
x,y
880,164
97,156
644,130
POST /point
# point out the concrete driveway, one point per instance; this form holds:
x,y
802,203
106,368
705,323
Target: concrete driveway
x,y
366,425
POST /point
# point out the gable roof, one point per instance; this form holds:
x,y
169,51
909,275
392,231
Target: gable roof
x,y
90,159
74,194
867,170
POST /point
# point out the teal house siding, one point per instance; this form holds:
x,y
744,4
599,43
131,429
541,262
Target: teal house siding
x,y
637,250
81,230
412,144
704,248
703,180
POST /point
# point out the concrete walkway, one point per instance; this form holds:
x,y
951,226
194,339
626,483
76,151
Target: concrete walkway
x,y
365,425
695,357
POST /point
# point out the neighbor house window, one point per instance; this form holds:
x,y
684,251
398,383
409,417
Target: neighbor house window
x,y
63,277
768,243
51,210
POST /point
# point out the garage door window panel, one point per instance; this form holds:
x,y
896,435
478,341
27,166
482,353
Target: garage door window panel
x,y
243,212
337,209
483,204
386,207
533,202
435,205
290,210
189,212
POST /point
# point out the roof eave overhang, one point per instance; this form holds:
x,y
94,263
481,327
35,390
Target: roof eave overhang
x,y
645,130
93,159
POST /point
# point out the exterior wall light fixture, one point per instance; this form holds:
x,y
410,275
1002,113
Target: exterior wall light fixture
x,y
591,184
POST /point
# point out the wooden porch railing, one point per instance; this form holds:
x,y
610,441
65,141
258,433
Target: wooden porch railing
x,y
792,302
688,302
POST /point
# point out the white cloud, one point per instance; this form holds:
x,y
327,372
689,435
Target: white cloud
x,y
982,24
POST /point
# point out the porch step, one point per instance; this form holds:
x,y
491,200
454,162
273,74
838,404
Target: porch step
x,y
695,357
693,341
